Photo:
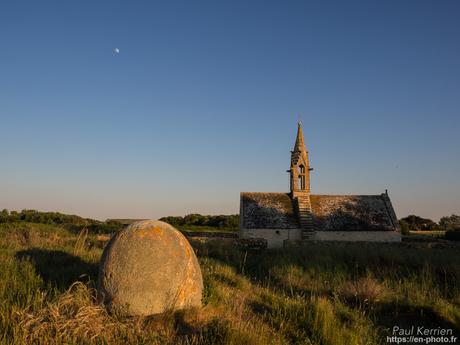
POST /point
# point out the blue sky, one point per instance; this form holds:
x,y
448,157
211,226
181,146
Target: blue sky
x,y
202,103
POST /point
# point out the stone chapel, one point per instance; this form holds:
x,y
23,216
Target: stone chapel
x,y
301,216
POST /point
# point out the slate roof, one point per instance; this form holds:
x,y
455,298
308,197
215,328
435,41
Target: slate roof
x,y
353,213
267,211
330,212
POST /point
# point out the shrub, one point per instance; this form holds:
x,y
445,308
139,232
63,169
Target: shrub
x,y
221,221
453,235
450,223
404,227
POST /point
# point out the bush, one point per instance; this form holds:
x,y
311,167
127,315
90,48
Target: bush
x,y
419,223
404,227
453,235
221,221
450,223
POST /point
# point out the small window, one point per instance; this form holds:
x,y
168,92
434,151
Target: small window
x,y
301,182
301,178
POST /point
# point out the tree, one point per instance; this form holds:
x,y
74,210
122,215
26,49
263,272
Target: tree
x,y
4,216
193,219
450,223
419,223
175,221
220,221
14,216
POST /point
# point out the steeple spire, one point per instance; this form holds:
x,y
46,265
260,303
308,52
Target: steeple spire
x,y
299,141
300,166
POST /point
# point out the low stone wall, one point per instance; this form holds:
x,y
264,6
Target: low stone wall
x,y
275,237
358,236
219,234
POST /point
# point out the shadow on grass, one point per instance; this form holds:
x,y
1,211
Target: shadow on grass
x,y
59,268
384,261
387,315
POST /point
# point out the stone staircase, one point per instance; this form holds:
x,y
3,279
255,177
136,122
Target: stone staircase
x,y
305,217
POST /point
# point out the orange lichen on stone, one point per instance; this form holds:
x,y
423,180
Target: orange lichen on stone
x,y
152,232
157,230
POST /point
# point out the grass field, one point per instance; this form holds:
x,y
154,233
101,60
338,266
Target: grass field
x,y
429,233
318,294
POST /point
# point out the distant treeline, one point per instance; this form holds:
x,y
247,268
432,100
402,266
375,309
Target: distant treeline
x,y
221,221
70,222
76,223
33,216
417,223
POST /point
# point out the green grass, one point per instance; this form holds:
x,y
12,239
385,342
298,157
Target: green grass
x,y
317,294
429,233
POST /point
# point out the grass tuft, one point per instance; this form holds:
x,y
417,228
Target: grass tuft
x,y
362,292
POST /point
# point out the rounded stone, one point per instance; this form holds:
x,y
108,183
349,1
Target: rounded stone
x,y
149,268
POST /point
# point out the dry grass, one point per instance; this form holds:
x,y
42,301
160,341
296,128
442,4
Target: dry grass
x,y
80,243
73,315
33,235
362,292
320,294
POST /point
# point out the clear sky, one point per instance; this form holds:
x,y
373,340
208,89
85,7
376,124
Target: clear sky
x,y
202,100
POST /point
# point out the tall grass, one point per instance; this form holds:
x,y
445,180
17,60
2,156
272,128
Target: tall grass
x,y
317,294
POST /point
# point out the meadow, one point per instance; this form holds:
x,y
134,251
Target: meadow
x,y
321,293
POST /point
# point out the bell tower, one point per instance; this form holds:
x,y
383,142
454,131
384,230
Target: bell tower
x,y
300,186
300,167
